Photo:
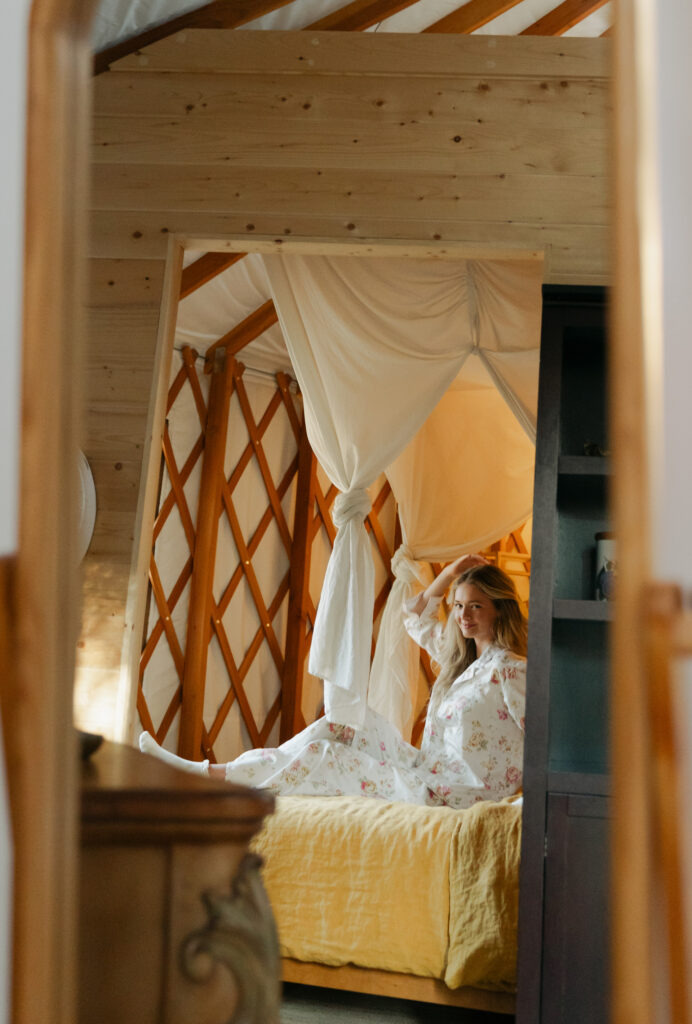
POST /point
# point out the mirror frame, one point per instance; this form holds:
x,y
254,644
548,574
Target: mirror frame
x,y
37,699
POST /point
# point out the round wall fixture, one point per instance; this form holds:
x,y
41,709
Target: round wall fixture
x,y
87,505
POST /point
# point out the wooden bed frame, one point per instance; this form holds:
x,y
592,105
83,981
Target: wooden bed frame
x,y
399,986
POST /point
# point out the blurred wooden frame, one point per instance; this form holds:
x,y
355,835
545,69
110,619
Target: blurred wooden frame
x,y
632,344
37,693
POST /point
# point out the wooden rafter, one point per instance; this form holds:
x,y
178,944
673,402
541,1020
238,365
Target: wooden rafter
x,y
246,331
562,18
205,269
359,15
219,14
472,16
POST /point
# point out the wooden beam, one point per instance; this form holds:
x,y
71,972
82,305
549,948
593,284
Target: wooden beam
x,y
346,54
296,627
40,751
562,18
401,986
205,269
245,332
662,613
8,654
209,507
634,923
359,15
471,16
218,14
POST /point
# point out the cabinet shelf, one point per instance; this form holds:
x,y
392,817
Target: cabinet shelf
x,y
590,784
584,465
585,611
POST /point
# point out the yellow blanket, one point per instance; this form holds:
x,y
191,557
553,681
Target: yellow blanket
x,y
421,890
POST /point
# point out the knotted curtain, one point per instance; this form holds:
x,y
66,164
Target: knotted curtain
x,y
375,344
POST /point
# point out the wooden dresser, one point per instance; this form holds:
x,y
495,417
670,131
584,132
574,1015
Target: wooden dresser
x,y
175,927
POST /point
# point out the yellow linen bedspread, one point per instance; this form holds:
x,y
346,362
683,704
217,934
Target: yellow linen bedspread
x,y
421,890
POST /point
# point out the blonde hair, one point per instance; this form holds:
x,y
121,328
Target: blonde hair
x,y
509,628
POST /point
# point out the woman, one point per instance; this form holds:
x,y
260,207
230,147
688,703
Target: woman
x,y
472,747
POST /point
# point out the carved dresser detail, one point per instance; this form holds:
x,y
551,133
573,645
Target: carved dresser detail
x,y
175,926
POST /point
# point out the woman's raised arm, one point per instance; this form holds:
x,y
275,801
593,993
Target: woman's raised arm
x,y
445,579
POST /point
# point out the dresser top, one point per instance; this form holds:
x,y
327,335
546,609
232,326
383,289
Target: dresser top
x,y
130,797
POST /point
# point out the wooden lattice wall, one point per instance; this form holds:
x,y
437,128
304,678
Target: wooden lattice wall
x,y
188,612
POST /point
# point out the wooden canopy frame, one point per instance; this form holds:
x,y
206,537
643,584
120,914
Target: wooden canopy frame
x,y
41,586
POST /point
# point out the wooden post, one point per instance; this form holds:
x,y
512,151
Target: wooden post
x,y
208,512
296,632
633,925
662,614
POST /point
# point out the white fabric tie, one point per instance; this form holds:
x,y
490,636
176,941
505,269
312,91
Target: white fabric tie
x,y
406,569
340,649
349,505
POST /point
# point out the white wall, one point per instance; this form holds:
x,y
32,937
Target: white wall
x,y
12,112
672,543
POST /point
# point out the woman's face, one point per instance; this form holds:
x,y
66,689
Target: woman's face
x,y
475,614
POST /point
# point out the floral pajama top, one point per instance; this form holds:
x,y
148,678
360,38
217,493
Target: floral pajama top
x,y
472,746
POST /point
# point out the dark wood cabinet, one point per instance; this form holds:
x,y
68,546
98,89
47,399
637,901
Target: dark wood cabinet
x,y
563,958
575,926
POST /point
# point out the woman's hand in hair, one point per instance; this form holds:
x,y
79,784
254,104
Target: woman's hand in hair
x,y
445,578
461,564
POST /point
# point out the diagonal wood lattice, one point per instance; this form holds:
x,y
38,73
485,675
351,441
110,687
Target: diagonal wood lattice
x,y
288,647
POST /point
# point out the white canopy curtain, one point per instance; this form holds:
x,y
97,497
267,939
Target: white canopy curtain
x,y
375,343
466,479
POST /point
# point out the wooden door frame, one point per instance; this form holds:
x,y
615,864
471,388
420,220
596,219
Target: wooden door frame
x,y
37,712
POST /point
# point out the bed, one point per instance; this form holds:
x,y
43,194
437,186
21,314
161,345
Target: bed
x,y
395,899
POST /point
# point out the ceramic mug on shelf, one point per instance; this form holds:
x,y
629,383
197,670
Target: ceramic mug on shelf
x,y
606,566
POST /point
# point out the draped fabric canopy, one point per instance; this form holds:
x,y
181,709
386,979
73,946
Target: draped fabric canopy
x,y
375,345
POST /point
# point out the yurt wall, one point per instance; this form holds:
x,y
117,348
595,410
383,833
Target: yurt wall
x,y
249,685
483,145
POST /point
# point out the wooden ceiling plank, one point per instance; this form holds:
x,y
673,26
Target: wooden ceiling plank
x,y
562,18
471,16
205,269
218,14
359,15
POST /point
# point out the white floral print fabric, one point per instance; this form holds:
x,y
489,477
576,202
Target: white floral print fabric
x,y
472,746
